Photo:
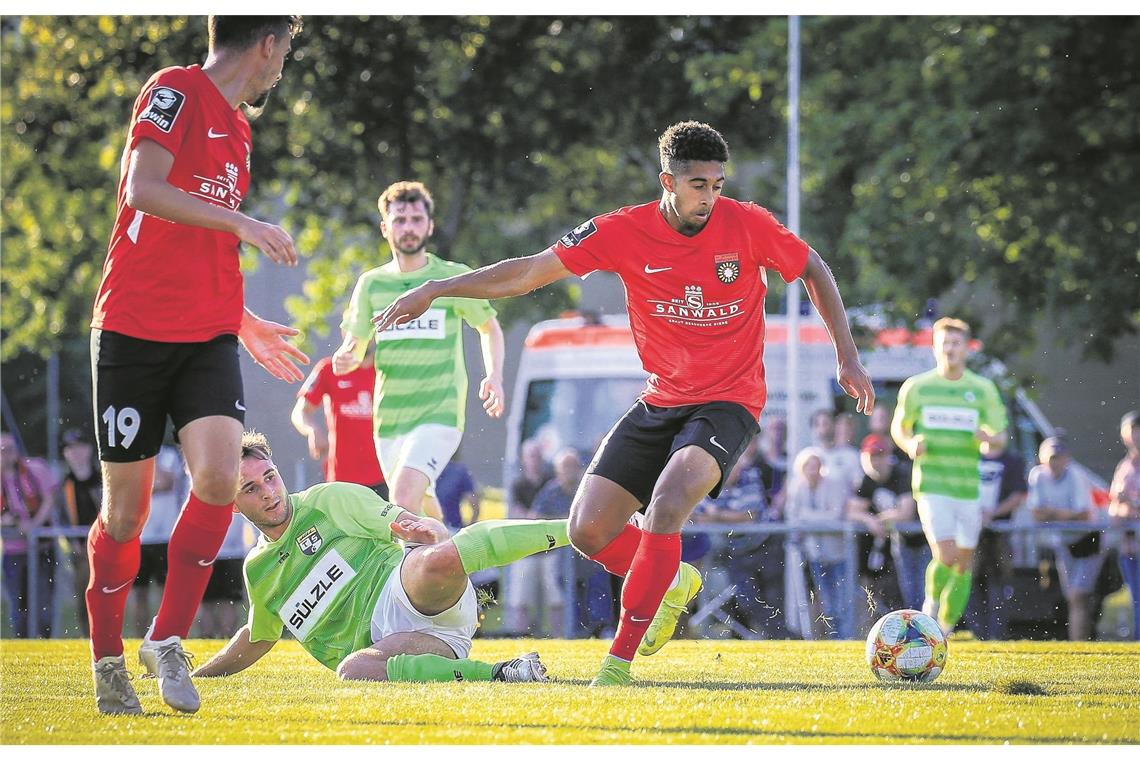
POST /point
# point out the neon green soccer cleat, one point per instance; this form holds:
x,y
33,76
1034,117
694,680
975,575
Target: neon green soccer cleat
x,y
664,623
614,672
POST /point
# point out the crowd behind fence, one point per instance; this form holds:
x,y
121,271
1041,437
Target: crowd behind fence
x,y
798,611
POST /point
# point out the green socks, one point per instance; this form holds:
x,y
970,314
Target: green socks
x,y
952,603
432,667
937,577
495,543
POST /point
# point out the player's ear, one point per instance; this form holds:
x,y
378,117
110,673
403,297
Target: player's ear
x,y
668,182
265,47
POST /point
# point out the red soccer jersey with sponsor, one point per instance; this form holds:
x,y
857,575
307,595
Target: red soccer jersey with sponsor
x,y
173,282
347,400
696,304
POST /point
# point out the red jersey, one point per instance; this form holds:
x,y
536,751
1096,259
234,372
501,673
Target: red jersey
x,y
347,400
696,304
173,282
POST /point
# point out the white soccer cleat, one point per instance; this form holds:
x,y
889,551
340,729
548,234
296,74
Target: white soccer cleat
x,y
523,669
170,663
114,694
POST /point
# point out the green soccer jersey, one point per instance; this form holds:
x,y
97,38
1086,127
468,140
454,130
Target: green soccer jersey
x,y
947,413
420,374
322,577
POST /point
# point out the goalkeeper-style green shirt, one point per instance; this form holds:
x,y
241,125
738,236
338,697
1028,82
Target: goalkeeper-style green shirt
x,y
947,413
420,374
322,578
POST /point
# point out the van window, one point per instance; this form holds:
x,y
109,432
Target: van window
x,y
576,412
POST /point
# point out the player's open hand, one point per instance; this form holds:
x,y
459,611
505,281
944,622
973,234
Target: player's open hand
x,y
419,530
856,383
405,308
266,343
344,360
491,391
270,239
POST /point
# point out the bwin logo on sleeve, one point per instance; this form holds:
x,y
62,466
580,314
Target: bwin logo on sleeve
x,y
578,234
165,105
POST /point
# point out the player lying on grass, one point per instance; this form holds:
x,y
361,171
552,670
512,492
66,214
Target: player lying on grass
x,y
331,568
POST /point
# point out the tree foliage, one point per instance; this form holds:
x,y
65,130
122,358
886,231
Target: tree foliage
x,y
935,150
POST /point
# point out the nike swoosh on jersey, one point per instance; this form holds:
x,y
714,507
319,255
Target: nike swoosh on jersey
x,y
116,588
239,406
214,135
655,270
639,620
714,443
204,563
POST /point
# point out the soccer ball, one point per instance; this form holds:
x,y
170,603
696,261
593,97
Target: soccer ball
x,y
906,645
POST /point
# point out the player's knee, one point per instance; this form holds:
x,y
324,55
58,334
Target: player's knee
x,y
442,561
363,666
215,486
587,536
124,525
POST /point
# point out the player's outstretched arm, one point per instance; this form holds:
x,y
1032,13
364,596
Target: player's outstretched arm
x,y
235,656
494,351
148,191
824,294
265,342
512,277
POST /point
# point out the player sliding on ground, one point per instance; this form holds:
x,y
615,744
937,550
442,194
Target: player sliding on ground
x,y
330,567
693,265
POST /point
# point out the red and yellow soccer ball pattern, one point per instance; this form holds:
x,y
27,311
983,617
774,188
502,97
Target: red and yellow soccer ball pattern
x,y
906,645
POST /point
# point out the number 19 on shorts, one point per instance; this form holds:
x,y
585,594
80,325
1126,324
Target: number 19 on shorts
x,y
124,423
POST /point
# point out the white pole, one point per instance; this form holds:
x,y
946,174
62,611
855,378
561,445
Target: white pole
x,y
793,192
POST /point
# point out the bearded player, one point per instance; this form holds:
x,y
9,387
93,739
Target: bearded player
x,y
694,269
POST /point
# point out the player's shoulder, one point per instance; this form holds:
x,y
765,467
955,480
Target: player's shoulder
x,y
637,215
184,78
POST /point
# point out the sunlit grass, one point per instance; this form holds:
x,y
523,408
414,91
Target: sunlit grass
x,y
692,692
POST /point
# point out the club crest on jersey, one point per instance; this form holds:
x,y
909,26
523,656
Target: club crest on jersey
x,y
310,541
578,234
694,296
727,267
165,105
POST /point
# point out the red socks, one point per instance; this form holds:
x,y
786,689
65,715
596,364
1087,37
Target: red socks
x,y
652,571
617,555
114,566
197,537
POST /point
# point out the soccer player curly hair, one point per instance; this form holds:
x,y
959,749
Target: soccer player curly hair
x,y
405,192
690,141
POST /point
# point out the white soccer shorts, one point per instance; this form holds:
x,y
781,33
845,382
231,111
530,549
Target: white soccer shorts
x,y
944,518
394,613
426,448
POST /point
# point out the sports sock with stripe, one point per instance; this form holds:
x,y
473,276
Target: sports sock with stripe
x,y
954,598
114,566
432,667
937,576
193,547
495,543
652,571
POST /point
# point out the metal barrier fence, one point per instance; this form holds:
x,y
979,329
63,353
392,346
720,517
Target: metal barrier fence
x,y
847,530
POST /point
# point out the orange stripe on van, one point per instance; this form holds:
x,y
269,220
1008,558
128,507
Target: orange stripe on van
x,y
593,336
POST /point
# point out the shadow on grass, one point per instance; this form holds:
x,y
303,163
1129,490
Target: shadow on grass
x,y
787,686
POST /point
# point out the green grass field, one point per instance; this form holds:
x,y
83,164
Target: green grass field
x,y
716,692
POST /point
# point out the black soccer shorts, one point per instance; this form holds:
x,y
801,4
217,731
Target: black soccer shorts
x,y
139,383
635,452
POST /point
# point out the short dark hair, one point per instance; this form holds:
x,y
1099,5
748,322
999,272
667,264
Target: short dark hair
x,y
690,141
239,32
256,445
404,192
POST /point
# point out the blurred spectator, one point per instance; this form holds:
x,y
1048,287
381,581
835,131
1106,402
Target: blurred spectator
x,y
814,496
342,441
840,462
168,492
454,487
1058,491
774,450
223,603
1124,504
882,499
523,489
754,561
26,502
82,491
880,424
543,572
1003,491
